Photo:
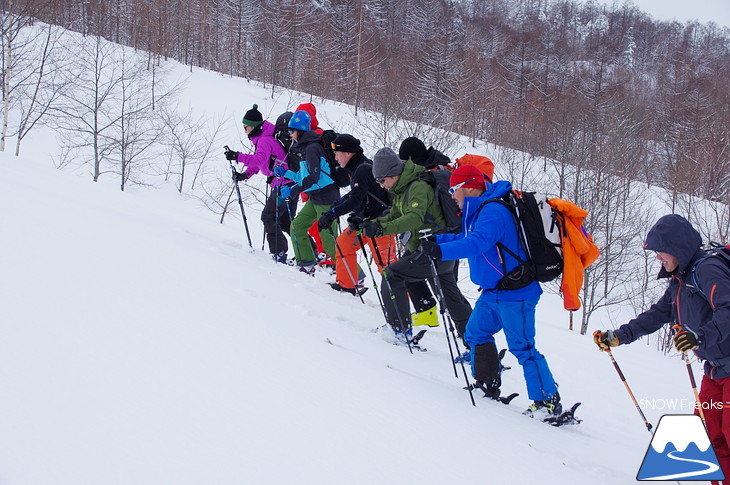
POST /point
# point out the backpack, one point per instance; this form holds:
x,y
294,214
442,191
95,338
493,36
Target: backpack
x,y
538,230
338,175
438,179
484,164
722,251
281,130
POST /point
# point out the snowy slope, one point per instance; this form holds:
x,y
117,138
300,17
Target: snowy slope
x,y
142,343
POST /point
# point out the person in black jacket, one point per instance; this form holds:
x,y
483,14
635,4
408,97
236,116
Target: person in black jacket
x,y
366,200
308,157
697,302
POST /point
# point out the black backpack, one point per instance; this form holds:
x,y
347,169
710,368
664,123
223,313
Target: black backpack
x,y
538,230
722,251
439,180
281,130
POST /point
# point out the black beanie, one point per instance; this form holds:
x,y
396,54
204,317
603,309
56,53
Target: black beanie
x,y
346,143
253,117
414,149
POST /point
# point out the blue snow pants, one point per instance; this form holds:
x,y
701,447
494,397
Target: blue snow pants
x,y
517,319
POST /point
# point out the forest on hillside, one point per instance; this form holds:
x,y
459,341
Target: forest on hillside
x,y
603,88
594,98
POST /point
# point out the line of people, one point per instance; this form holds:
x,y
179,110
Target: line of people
x,y
389,207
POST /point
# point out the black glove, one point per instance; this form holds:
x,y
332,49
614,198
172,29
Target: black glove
x,y
371,229
239,177
430,249
325,221
685,340
231,155
353,222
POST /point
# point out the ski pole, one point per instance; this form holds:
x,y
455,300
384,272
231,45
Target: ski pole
x,y
263,239
623,379
240,201
389,289
347,268
370,268
692,381
446,317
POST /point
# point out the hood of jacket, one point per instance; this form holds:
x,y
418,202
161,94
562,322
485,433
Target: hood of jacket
x,y
674,235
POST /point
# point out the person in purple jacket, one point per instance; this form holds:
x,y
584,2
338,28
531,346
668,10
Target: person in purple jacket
x,y
698,302
281,203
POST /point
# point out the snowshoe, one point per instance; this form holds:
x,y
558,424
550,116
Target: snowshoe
x,y
465,357
358,290
565,418
492,391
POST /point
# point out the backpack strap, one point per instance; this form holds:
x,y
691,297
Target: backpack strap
x,y
717,250
523,266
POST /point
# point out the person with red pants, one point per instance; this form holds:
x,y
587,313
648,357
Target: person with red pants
x,y
366,200
701,282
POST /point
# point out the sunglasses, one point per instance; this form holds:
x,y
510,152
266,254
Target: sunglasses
x,y
452,190
379,180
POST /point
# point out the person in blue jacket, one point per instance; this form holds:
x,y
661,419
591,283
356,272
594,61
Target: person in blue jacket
x,y
697,300
513,311
309,169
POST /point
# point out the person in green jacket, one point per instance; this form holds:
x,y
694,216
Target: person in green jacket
x,y
414,209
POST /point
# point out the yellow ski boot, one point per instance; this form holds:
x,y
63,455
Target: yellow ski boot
x,y
428,317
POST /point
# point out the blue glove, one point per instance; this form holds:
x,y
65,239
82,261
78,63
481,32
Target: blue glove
x,y
279,171
284,191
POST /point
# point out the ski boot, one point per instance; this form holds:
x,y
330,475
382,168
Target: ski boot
x,y
549,407
427,317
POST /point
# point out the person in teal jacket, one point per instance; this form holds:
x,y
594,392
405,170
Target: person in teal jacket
x,y
484,225
311,174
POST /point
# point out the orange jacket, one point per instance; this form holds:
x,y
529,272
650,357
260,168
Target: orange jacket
x,y
579,251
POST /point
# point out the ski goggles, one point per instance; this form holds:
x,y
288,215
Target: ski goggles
x,y
452,190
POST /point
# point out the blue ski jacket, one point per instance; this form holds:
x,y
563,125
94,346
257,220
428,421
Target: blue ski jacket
x,y
704,310
483,226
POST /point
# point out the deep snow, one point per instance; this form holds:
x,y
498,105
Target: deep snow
x,y
142,342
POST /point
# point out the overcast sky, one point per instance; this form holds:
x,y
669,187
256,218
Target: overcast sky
x,y
682,10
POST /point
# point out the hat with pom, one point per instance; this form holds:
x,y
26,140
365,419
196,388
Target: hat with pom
x,y
253,117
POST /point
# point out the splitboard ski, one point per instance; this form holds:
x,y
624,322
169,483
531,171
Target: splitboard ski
x,y
565,418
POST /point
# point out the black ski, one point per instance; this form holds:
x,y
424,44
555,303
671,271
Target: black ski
x,y
565,418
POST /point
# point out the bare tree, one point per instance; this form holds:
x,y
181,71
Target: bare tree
x,y
42,84
190,141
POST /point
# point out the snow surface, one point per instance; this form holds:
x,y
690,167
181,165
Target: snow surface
x,y
142,342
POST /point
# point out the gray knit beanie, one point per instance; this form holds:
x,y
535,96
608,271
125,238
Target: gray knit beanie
x,y
386,163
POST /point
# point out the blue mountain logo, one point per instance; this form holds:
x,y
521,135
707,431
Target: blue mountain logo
x,y
680,449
